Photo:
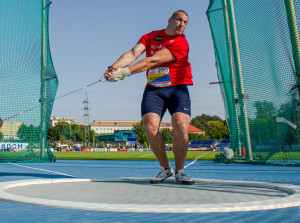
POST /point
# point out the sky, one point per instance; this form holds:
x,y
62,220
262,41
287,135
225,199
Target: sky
x,y
86,36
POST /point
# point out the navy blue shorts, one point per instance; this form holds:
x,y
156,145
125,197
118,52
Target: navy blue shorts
x,y
159,99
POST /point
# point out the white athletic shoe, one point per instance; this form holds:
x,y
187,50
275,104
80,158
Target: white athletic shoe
x,y
180,176
162,175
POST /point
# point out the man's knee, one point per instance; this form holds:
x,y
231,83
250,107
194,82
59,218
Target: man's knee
x,y
180,120
151,123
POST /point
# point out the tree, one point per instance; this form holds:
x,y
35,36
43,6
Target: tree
x,y
102,145
63,139
75,131
62,125
201,121
265,110
1,135
61,132
263,127
214,126
53,134
167,135
65,132
217,130
141,135
289,112
145,144
80,135
195,136
90,135
29,133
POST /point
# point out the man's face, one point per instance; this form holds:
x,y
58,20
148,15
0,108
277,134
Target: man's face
x,y
179,23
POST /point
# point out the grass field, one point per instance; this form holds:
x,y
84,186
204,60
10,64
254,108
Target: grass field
x,y
138,155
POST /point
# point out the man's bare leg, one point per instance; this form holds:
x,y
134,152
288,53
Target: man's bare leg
x,y
151,123
180,122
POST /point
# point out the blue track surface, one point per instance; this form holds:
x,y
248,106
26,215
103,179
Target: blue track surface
x,y
18,212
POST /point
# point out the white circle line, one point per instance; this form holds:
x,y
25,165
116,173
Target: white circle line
x,y
42,170
292,200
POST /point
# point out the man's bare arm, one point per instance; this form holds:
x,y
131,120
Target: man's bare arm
x,y
161,57
129,57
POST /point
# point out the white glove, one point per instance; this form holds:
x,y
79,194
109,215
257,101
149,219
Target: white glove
x,y
119,74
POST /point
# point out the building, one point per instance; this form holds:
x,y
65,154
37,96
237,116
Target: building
x,y
104,127
192,129
164,125
10,128
56,119
109,137
125,135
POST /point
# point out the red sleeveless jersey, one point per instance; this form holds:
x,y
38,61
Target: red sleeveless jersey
x,y
171,73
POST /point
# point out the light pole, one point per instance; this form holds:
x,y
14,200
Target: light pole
x,y
70,126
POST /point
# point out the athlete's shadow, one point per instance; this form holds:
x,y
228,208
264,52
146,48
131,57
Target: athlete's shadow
x,y
230,189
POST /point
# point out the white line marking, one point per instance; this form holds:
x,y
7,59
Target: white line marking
x,y
194,160
292,199
42,170
147,155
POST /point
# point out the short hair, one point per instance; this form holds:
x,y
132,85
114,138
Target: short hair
x,y
175,14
